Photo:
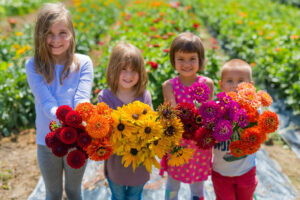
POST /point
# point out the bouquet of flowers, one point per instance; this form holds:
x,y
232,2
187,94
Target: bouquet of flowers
x,y
235,116
139,137
69,138
98,122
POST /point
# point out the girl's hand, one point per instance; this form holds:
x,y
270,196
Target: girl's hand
x,y
168,93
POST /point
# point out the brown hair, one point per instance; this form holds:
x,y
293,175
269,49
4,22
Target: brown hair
x,y
124,54
44,63
236,63
189,43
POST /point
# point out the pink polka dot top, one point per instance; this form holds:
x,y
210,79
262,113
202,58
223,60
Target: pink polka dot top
x,y
200,165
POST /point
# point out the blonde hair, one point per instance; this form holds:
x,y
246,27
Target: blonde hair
x,y
236,64
125,54
44,63
188,43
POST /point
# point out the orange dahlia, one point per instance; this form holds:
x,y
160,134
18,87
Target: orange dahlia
x,y
265,98
99,149
251,149
248,96
268,122
85,110
233,95
103,109
252,136
252,113
98,126
237,148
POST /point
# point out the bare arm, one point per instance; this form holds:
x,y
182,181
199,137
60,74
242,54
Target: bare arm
x,y
210,84
168,93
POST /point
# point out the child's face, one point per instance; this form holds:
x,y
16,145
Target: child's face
x,y
128,78
187,64
231,77
58,39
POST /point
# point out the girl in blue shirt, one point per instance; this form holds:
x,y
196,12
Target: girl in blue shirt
x,y
57,76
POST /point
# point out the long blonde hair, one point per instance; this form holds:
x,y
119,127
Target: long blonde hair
x,y
124,54
44,63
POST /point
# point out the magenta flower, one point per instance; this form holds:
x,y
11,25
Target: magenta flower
x,y
222,130
223,98
242,118
209,110
199,91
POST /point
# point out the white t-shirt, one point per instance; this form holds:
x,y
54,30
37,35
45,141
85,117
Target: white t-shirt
x,y
227,165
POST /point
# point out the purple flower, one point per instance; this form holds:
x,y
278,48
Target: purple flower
x,y
222,130
223,98
231,110
209,110
242,118
199,91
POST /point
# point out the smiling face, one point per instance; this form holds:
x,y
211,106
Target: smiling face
x,y
128,78
187,64
232,76
58,40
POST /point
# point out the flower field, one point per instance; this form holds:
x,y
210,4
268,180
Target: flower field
x,y
268,39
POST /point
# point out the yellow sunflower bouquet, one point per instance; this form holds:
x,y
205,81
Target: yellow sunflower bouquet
x,y
139,136
98,125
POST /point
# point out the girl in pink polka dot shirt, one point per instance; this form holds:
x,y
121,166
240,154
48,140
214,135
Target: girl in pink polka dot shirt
x,y
187,57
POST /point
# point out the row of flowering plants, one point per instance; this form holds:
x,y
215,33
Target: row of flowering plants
x,y
151,26
17,45
267,38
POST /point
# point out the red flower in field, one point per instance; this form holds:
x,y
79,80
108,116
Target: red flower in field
x,y
68,135
59,149
73,119
214,47
76,159
101,43
62,111
96,91
196,25
165,37
154,65
84,140
170,34
173,22
204,138
167,50
157,20
268,122
99,149
152,28
213,41
11,21
50,139
175,4
156,45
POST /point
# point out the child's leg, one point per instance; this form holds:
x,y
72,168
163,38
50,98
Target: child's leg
x,y
117,191
52,169
246,185
134,192
224,187
172,188
73,179
197,190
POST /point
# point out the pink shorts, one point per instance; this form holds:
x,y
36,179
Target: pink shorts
x,y
235,188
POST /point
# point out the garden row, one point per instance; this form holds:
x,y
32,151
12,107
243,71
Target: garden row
x,y
16,100
264,33
151,26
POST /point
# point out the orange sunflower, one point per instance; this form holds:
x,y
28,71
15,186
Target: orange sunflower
x,y
265,98
238,148
98,126
268,122
252,136
99,149
85,110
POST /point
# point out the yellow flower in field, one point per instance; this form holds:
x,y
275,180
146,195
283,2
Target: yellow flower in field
x,y
173,131
16,46
160,148
180,156
132,157
19,34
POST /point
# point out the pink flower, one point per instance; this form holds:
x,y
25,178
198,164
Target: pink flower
x,y
154,65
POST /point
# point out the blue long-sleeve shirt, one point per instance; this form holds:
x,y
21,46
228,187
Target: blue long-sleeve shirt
x,y
48,97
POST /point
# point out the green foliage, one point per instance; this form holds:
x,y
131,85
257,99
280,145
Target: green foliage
x,y
265,36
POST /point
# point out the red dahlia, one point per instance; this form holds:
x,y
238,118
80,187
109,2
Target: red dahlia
x,y
62,111
50,139
68,135
73,119
59,149
204,138
84,140
76,159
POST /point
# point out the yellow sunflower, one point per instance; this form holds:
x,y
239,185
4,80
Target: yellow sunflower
x,y
121,126
150,128
172,131
166,112
160,148
180,156
137,111
149,161
133,156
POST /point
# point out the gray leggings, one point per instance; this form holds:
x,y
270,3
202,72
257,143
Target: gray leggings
x,y
52,168
172,188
